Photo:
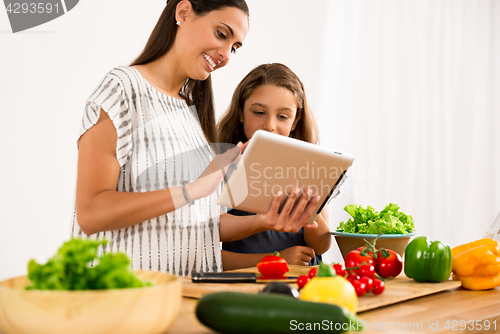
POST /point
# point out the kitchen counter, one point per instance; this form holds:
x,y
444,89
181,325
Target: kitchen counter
x,y
454,310
437,313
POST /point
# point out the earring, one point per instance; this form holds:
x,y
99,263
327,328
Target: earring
x,y
241,120
293,128
178,23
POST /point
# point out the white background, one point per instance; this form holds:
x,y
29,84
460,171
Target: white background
x,y
350,55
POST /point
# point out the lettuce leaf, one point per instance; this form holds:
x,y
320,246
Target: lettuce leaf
x,y
71,269
368,221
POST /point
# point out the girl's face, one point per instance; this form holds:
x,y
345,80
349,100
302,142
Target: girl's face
x,y
206,42
270,108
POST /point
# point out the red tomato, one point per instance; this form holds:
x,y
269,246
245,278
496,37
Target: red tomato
x,y
273,266
360,249
339,269
359,287
389,266
368,281
378,286
355,259
312,272
270,258
302,280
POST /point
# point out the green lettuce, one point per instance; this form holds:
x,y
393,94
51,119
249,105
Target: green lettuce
x,y
71,269
368,221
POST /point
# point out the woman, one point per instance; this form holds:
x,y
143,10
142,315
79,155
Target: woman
x,y
147,178
272,98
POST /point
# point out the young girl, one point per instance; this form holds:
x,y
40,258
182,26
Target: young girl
x,y
147,178
272,98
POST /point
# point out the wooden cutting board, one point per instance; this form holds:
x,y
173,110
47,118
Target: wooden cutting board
x,y
397,289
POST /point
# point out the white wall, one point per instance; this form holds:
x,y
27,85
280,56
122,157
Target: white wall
x,y
46,74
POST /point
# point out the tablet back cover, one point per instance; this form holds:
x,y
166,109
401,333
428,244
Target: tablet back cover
x,y
272,162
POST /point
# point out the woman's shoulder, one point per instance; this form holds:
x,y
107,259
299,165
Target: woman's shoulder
x,y
123,74
121,78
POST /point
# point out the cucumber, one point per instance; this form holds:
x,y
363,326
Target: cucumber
x,y
245,313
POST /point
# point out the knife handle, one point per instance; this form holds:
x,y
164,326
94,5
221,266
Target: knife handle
x,y
224,277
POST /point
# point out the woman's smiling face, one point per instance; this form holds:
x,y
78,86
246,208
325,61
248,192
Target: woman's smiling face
x,y
270,108
207,41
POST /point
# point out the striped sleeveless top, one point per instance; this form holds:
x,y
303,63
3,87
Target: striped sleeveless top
x,y
160,144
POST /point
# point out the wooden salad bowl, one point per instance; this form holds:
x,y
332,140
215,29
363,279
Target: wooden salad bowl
x,y
136,310
351,241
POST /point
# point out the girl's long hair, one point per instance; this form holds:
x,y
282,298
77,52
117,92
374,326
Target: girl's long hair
x,y
230,128
194,92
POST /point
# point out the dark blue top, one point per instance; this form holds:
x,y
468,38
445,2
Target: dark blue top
x,y
267,241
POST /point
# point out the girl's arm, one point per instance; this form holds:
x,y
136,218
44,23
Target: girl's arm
x,y
297,255
319,238
100,207
290,219
231,261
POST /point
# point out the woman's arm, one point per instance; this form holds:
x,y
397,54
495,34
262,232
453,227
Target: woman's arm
x,y
100,207
319,238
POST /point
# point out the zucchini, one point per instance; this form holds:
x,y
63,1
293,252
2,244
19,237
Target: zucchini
x,y
242,313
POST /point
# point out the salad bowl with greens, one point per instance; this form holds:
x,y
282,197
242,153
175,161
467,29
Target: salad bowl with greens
x,y
79,292
393,228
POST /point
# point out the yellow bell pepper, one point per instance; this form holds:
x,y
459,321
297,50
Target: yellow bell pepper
x,y
478,282
477,264
464,247
332,290
327,287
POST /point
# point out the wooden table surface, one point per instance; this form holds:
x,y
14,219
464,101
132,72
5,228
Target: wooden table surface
x,y
455,310
416,315
442,312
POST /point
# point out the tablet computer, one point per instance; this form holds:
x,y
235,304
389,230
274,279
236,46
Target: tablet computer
x,y
272,162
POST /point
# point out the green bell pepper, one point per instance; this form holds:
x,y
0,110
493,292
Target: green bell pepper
x,y
427,261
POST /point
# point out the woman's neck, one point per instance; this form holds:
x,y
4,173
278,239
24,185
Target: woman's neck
x,y
163,75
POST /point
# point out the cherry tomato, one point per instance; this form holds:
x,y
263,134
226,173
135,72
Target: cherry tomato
x,y
352,277
302,280
359,287
339,269
366,270
390,265
368,281
378,286
312,272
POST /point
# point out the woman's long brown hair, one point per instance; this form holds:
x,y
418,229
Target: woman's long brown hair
x,y
195,92
230,128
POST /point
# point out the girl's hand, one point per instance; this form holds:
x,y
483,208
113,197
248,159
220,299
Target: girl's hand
x,y
291,219
298,255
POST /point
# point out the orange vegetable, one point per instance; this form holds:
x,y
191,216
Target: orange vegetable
x,y
477,264
462,248
479,282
